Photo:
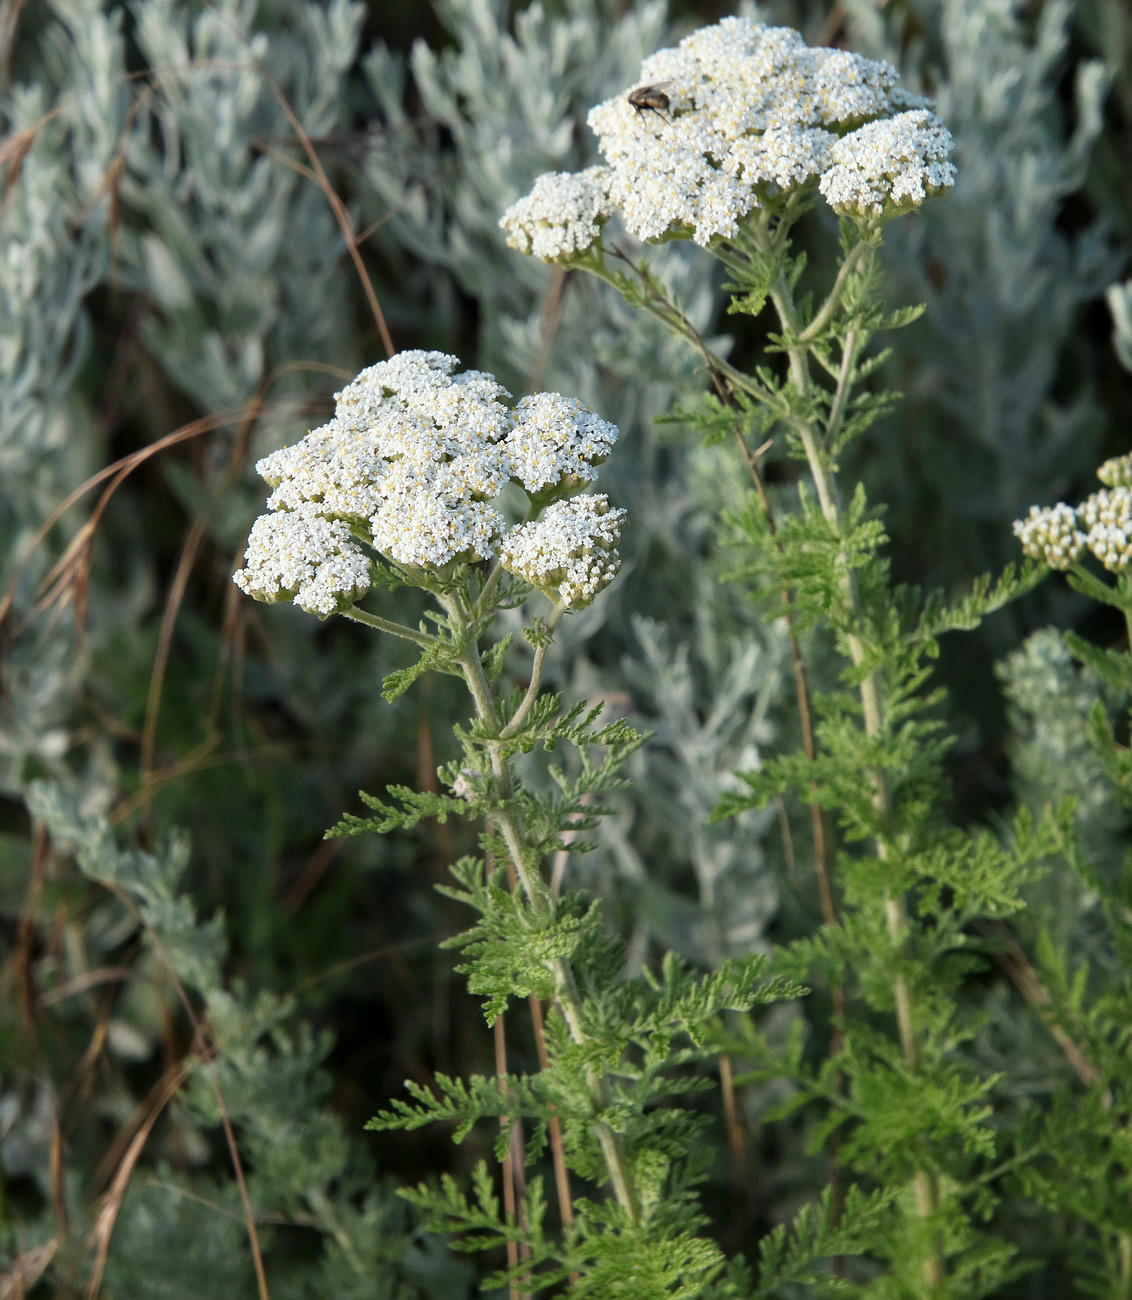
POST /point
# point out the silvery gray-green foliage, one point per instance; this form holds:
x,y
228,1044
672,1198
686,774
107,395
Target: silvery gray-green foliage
x,y
55,251
1053,759
221,231
696,748
232,265
1070,1132
258,1066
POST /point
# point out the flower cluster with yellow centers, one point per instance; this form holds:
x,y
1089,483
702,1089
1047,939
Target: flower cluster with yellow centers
x,y
570,551
1050,534
1107,515
743,114
410,465
299,555
1059,535
1116,472
561,217
889,165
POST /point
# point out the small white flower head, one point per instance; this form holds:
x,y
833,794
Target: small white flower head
x,y
1107,515
889,166
1051,535
852,89
557,441
410,464
1116,472
298,555
570,550
562,216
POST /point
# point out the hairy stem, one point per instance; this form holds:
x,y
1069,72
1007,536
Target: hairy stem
x,y
528,701
387,625
566,990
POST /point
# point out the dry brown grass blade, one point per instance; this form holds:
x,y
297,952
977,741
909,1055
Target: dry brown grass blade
x,y
160,1097
103,1229
58,1183
189,551
26,1270
554,1129
1015,964
341,215
549,323
118,471
14,150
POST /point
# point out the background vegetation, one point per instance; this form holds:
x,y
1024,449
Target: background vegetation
x,y
194,200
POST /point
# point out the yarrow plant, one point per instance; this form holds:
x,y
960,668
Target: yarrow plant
x,y
1063,537
1092,710
728,140
1060,535
402,487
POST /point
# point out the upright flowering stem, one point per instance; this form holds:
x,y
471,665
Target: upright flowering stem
x,y
567,995
814,440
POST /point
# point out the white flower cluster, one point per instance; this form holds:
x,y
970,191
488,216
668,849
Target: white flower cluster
x,y
298,555
409,464
1060,534
570,550
561,217
1051,534
1116,472
557,440
891,164
736,115
1107,515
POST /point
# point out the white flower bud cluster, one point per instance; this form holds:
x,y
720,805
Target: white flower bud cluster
x,y
299,555
1116,472
409,464
1107,515
735,116
561,217
557,440
1051,535
570,550
889,165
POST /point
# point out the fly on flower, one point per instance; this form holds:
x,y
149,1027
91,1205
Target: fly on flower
x,y
652,99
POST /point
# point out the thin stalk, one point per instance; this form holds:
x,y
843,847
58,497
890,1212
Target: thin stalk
x,y
535,685
896,920
671,316
387,625
566,991
833,301
817,831
1125,1247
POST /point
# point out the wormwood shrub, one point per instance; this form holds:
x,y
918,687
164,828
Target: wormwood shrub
x,y
944,1176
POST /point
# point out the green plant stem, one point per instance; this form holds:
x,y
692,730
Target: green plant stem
x,y
527,703
872,704
567,995
387,625
825,313
671,316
